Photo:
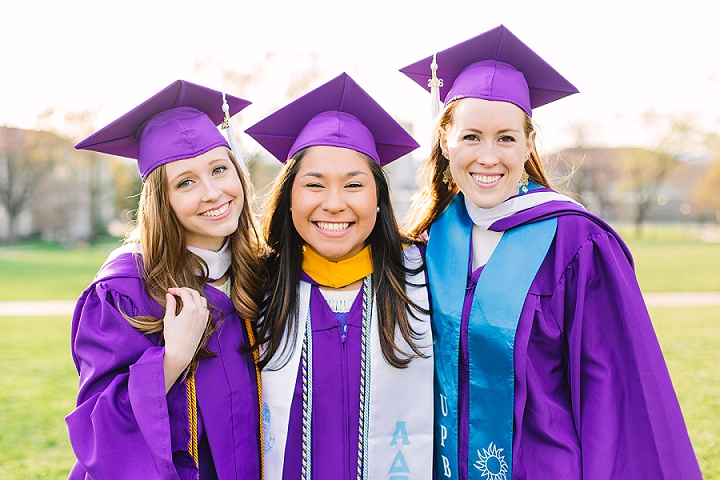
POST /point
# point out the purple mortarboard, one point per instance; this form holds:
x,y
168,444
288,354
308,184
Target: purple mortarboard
x,y
495,65
178,122
339,114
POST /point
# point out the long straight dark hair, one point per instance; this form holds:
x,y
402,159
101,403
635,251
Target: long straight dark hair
x,y
280,325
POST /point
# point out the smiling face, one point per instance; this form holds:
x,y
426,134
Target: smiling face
x,y
487,146
334,201
206,195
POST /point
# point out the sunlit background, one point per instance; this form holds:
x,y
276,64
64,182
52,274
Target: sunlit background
x,y
625,56
643,67
639,146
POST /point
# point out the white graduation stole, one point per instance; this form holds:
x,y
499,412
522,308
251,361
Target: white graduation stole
x,y
400,445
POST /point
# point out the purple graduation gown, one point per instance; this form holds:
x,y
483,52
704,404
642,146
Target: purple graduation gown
x,y
124,425
336,360
593,397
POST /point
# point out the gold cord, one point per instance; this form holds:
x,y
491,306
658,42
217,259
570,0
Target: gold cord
x,y
256,358
192,414
192,406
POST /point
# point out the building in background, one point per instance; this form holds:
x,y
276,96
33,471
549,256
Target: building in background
x,y
632,185
51,191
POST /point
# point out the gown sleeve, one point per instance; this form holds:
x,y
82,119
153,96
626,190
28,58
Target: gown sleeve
x,y
626,413
120,428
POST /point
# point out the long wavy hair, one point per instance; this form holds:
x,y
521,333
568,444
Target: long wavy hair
x,y
435,195
280,325
166,261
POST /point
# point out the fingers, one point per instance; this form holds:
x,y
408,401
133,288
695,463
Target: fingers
x,y
189,297
193,315
170,305
182,331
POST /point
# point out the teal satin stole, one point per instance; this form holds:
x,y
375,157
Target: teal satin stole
x,y
499,297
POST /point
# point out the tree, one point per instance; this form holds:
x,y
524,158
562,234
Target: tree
x,y
587,172
670,137
644,171
245,83
26,157
93,171
706,197
127,186
590,174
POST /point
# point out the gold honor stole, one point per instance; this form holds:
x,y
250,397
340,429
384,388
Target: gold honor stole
x,y
337,274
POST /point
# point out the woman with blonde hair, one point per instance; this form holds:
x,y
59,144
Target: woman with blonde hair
x,y
161,337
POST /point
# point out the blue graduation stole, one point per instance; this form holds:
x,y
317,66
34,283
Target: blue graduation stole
x,y
499,297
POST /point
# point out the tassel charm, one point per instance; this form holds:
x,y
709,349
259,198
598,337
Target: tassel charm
x,y
226,125
434,83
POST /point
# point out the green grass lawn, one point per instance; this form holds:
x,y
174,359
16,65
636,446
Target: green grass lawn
x,y
39,383
37,389
688,337
671,263
48,272
672,258
677,266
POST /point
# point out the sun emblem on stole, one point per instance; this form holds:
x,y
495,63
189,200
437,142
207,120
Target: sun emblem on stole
x,y
492,465
268,440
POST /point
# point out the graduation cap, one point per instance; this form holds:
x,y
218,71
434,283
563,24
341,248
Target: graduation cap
x,y
178,122
495,65
339,114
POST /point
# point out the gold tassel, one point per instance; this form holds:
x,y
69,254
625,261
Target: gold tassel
x,y
192,407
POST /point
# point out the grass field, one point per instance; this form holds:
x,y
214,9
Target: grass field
x,y
37,389
672,261
677,266
39,385
688,337
48,272
39,382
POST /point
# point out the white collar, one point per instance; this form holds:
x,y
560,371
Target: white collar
x,y
218,262
484,217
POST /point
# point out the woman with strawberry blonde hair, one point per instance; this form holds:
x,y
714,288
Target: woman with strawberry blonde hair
x,y
547,365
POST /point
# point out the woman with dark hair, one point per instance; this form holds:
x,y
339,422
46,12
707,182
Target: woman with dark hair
x,y
347,378
160,338
547,365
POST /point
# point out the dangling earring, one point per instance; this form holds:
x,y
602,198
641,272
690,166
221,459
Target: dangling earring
x,y
524,180
447,177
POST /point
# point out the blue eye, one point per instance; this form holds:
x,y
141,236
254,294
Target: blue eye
x,y
183,184
219,170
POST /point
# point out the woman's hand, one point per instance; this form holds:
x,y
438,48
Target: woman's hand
x,y
183,331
